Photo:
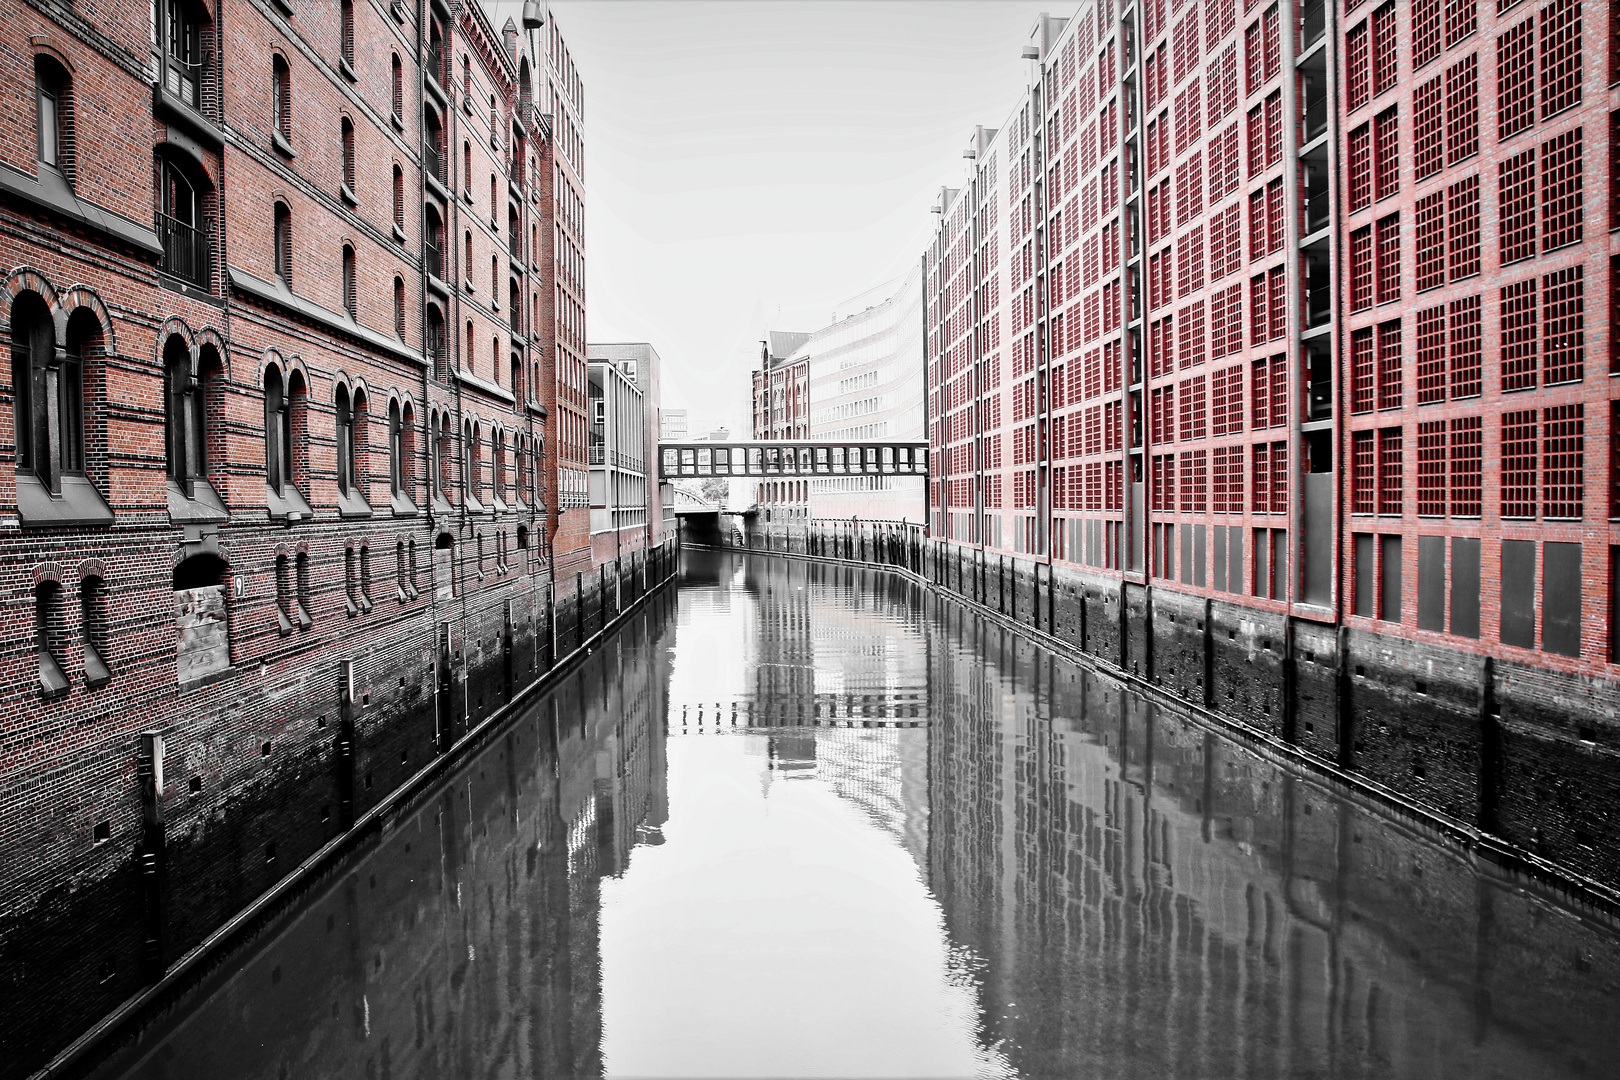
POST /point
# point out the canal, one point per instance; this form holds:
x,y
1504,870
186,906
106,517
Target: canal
x,y
802,820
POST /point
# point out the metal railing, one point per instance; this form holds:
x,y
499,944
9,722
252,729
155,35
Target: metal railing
x,y
188,252
434,65
433,259
596,454
433,162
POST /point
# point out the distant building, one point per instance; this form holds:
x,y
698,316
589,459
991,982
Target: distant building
x,y
672,425
866,380
622,423
782,411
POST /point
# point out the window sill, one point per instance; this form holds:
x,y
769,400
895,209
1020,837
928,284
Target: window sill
x,y
398,121
283,147
349,607
441,505
96,672
304,621
472,505
284,625
466,193
348,195
53,681
287,505
202,506
78,504
347,69
352,504
178,112
402,506
466,283
399,235
50,191
436,186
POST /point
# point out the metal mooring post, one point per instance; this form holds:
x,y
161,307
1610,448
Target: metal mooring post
x,y
153,860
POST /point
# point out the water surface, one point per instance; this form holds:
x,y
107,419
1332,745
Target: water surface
x,y
795,820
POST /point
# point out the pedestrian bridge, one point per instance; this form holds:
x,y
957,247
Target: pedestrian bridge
x,y
677,460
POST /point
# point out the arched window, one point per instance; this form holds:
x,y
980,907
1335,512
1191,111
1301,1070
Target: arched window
x,y
467,360
466,168
494,201
184,409
365,578
200,594
397,463
277,432
345,442
471,451
399,197
437,346
351,296
495,282
399,87
517,377
347,130
281,98
495,360
467,265
399,308
49,397
93,615
50,639
53,115
301,602
283,224
348,32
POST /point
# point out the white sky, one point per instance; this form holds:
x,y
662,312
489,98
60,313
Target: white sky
x,y
745,159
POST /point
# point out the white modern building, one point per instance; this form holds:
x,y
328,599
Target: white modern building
x,y
623,425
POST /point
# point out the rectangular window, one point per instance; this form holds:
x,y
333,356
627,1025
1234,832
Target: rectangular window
x,y
1357,71
1518,593
1260,398
1259,311
1389,592
1278,386
1430,245
1274,216
1462,19
1364,474
1277,297
1462,109
1260,478
1363,558
1431,582
1361,370
1361,268
1360,155
1425,31
1429,136
1561,598
1466,375
1273,127
1560,48
1257,141
1462,207
1561,190
1519,464
1516,183
1516,79
1386,154
1431,355
1279,478
1389,258
1384,43
1563,306
1431,493
1519,335
1465,586
1563,450
1467,449
1390,471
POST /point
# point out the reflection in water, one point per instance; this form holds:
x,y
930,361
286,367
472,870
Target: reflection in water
x,y
798,820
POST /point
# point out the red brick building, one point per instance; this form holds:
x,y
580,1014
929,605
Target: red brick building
x,y
781,396
1258,345
292,430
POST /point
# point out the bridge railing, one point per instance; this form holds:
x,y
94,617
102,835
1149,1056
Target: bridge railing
x,y
900,544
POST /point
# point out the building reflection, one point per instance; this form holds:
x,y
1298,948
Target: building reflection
x,y
466,943
1147,899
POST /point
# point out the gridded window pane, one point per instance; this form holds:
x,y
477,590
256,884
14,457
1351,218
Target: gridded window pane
x,y
1389,258
1390,374
1364,465
1462,109
1467,447
1519,464
1560,56
1516,182
1361,370
1431,355
1563,304
1516,79
1429,137
1519,335
1390,471
1361,268
1384,48
1462,203
1462,19
1279,478
1431,492
1431,241
1561,190
1425,31
1467,379
1357,68
1386,154
1563,452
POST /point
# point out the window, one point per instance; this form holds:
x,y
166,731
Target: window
x,y
183,406
1467,378
351,297
281,98
1519,335
50,639
284,599
1563,305
1563,453
1515,79
1425,31
53,114
1462,203
1519,464
1390,376
398,71
1386,154
1430,248
1431,494
1384,66
301,601
1560,56
49,397
1462,19
1431,356
1462,109
283,429
1516,178
466,169
399,198
1429,144
1467,448
1389,259
348,32
283,227
1561,190
1361,268
345,442
348,156
1390,471
93,614
1364,472
1357,72
183,57
399,308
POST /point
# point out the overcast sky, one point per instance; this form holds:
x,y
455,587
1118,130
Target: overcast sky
x,y
751,164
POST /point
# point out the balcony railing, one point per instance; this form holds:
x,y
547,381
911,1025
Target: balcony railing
x,y
433,162
596,452
433,259
435,63
188,252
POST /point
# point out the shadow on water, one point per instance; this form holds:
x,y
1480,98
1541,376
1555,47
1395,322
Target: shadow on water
x,y
800,819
